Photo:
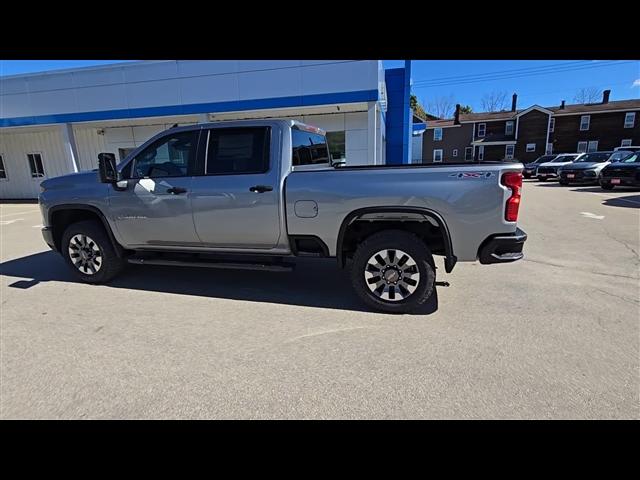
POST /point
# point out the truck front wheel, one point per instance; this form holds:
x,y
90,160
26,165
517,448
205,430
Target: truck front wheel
x,y
393,271
88,251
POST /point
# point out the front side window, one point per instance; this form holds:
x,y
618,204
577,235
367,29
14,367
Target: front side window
x,y
508,151
35,165
437,155
508,128
437,134
592,146
336,141
170,156
629,119
237,151
3,171
585,120
531,147
482,129
468,153
582,147
308,148
626,142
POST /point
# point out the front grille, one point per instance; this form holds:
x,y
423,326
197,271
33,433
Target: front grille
x,y
619,172
546,169
577,173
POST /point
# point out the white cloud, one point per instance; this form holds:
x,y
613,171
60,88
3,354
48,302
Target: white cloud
x,y
636,83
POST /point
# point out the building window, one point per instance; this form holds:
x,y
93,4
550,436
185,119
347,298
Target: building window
x,y
437,134
481,153
508,151
585,120
531,147
482,129
455,152
437,155
508,128
35,164
552,125
593,146
629,119
549,148
582,147
3,171
626,142
468,153
337,149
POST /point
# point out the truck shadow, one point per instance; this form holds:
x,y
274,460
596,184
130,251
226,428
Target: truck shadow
x,y
314,283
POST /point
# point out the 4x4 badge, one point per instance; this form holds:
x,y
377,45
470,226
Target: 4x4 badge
x,y
463,175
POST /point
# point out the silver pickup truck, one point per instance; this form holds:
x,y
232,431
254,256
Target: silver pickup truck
x,y
257,194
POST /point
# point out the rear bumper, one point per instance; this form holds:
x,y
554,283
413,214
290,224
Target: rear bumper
x,y
502,247
47,234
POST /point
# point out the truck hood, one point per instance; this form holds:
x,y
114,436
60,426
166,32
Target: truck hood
x,y
72,180
554,164
588,165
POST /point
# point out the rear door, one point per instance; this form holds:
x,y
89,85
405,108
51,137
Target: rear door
x,y
236,198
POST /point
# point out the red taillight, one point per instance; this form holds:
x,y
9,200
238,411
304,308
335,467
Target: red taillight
x,y
512,180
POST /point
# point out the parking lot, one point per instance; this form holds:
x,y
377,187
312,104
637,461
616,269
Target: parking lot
x,y
553,336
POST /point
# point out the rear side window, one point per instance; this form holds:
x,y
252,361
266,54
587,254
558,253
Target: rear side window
x,y
308,148
237,151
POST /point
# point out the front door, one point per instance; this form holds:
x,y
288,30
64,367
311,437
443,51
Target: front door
x,y
236,201
155,209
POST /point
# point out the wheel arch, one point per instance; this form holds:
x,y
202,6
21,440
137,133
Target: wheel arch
x,y
450,258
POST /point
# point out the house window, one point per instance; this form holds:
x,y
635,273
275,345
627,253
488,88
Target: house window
x,y
3,171
626,142
455,152
437,156
585,120
531,147
552,125
337,149
481,153
629,119
582,147
508,151
35,164
549,149
482,129
437,134
508,128
468,153
593,146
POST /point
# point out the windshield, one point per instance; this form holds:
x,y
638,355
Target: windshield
x,y
544,158
635,158
564,158
595,157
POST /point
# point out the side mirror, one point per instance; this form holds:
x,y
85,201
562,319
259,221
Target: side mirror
x,y
107,168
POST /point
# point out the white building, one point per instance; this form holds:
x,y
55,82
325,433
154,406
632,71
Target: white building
x,y
57,122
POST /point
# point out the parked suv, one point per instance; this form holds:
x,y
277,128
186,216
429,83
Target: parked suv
x,y
587,168
548,170
624,173
530,168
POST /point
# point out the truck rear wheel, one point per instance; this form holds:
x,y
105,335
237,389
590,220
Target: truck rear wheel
x,y
87,249
393,271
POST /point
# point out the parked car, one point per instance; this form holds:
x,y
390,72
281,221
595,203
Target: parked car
x,y
587,168
549,170
624,173
256,194
629,148
530,168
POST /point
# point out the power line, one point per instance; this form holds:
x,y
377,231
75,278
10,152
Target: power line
x,y
507,77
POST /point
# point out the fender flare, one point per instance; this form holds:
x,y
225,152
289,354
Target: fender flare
x,y
449,260
75,206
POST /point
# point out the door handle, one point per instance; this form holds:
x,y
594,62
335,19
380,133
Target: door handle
x,y
261,188
176,190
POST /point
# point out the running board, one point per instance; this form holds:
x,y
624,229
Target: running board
x,y
267,267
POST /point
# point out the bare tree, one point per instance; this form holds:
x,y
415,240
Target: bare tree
x,y
588,95
494,101
441,107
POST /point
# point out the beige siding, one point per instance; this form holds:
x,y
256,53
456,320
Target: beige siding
x,y
89,144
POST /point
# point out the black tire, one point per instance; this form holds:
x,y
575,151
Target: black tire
x,y
606,186
109,266
542,179
394,240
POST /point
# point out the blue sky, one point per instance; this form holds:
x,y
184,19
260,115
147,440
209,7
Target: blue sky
x,y
545,82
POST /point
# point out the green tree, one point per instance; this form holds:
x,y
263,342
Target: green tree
x,y
466,109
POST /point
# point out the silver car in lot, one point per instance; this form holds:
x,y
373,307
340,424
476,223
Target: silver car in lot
x,y
549,170
586,169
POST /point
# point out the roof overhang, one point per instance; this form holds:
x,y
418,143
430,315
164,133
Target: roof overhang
x,y
535,107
